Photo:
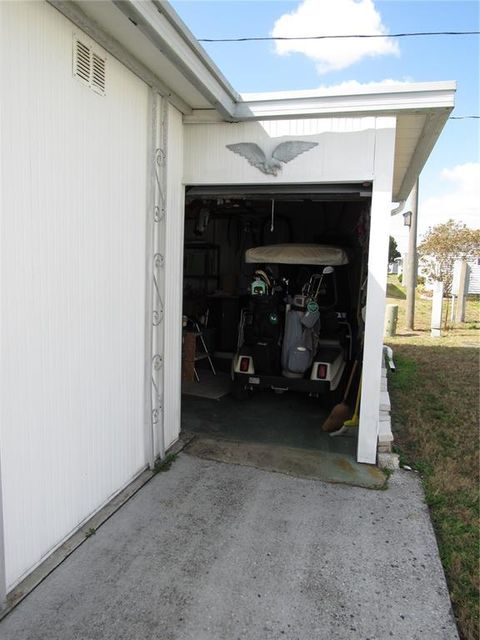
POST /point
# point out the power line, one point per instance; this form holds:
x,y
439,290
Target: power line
x,y
358,35
464,118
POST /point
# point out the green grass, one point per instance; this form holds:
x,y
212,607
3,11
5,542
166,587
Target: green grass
x,y
394,290
164,465
423,311
435,413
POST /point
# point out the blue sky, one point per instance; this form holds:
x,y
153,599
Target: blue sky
x,y
451,178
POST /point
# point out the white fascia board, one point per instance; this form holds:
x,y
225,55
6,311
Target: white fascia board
x,y
400,87
391,100
166,32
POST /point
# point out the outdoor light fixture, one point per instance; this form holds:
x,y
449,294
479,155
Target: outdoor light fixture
x,y
407,219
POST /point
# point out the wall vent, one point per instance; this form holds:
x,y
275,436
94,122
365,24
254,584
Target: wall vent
x,y
98,74
88,66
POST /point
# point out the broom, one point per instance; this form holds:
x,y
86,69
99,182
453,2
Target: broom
x,y
341,411
353,421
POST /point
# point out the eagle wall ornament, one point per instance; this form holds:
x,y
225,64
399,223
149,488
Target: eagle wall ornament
x,y
284,152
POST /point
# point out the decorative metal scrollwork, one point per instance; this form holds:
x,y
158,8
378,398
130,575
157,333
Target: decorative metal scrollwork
x,y
158,214
160,156
157,267
156,413
157,317
157,362
160,160
157,365
158,262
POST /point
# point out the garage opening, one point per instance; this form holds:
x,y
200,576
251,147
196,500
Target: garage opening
x,y
273,291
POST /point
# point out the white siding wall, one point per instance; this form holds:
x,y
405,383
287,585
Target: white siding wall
x,y
72,284
345,151
474,277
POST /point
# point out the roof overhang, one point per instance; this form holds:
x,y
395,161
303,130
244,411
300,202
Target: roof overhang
x,y
389,100
150,39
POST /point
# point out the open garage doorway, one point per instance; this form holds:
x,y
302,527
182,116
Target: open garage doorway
x,y
273,291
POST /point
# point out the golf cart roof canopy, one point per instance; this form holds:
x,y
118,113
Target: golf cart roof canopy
x,y
309,254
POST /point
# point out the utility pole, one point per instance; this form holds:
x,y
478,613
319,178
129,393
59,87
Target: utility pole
x,y
410,220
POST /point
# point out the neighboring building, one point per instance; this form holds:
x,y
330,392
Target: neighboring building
x,y
473,276
95,167
396,267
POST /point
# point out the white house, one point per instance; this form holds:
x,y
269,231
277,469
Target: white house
x,y
112,117
473,276
396,267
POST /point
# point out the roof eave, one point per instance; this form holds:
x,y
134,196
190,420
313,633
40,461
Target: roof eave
x,y
396,99
162,26
431,131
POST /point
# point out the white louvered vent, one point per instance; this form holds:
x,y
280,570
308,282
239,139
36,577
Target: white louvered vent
x,y
89,67
98,73
81,61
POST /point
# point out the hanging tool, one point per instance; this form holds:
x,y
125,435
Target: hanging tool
x,y
347,426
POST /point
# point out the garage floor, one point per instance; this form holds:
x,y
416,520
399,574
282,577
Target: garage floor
x,y
292,420
276,433
213,551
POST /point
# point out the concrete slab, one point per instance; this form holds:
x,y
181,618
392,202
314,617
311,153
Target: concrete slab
x,y
291,420
301,463
212,551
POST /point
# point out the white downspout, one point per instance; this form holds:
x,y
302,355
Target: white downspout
x,y
399,209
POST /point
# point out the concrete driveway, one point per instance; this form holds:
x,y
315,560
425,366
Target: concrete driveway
x,y
214,551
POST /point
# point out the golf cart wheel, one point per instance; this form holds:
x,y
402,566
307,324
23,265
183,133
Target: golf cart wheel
x,y
240,391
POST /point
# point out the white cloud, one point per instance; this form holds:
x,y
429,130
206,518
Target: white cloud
x,y
333,17
460,202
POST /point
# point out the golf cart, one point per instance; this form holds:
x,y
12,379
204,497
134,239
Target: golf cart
x,y
293,333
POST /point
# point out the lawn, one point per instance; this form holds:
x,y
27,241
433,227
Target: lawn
x,y
435,410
